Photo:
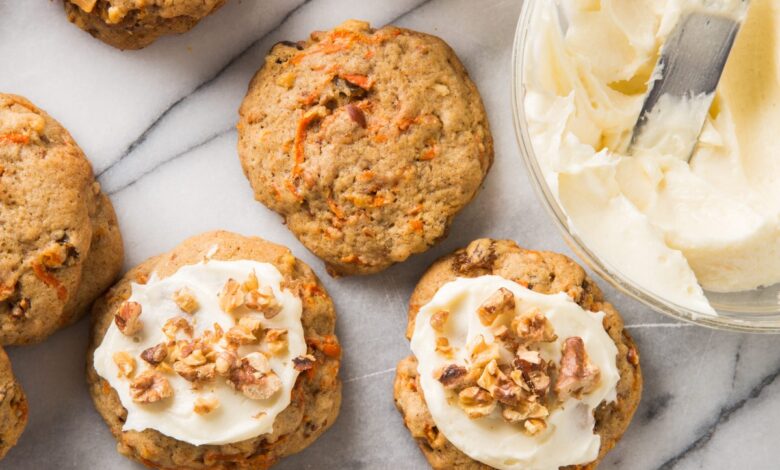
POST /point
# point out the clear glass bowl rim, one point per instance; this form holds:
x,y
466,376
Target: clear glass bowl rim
x,y
752,322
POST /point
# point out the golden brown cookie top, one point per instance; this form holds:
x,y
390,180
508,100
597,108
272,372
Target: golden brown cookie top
x,y
47,198
367,141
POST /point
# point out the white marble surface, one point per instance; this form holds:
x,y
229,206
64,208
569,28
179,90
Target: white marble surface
x,y
158,126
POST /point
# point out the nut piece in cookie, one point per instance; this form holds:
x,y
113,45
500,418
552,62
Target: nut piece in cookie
x,y
515,354
368,142
235,381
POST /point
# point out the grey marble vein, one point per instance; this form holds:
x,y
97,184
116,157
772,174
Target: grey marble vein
x,y
142,137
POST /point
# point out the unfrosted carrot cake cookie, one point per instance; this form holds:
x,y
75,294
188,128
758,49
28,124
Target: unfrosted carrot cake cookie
x,y
367,141
60,245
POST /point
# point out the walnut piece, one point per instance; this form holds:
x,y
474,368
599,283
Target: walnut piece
x,y
176,324
231,297
439,319
205,405
150,387
275,341
500,387
225,362
125,363
577,374
443,346
254,378
500,302
476,402
304,363
263,300
155,354
533,327
128,318
240,335
453,376
186,300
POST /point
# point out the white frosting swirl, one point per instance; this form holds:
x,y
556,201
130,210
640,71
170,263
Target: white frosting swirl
x,y
669,225
569,438
237,418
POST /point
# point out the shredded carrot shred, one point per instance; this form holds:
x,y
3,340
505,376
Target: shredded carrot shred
x,y
15,138
335,209
300,140
358,80
49,280
416,225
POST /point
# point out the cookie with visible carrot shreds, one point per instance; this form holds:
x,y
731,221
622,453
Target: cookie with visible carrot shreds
x,y
367,141
60,245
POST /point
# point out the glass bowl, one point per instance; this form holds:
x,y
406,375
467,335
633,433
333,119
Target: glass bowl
x,y
756,311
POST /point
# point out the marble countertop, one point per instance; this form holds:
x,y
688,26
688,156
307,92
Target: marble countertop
x,y
159,128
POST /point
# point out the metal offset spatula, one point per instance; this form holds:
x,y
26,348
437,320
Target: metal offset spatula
x,y
685,78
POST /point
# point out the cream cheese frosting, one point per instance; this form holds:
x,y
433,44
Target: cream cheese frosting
x,y
237,417
569,438
671,226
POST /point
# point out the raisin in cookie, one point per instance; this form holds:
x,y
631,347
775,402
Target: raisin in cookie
x,y
518,363
13,407
60,245
134,24
218,355
368,142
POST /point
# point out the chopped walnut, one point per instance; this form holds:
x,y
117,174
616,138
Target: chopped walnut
x,y
533,327
532,372
476,402
304,363
534,426
125,363
275,341
500,387
501,302
205,405
443,346
240,334
523,411
225,362
200,373
128,318
577,374
254,378
186,300
231,297
481,353
155,354
176,324
263,300
439,319
150,387
452,376
251,282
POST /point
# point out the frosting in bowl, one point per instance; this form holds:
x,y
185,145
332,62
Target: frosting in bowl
x,y
668,225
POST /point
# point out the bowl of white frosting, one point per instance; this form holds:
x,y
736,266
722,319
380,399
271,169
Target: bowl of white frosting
x,y
698,240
